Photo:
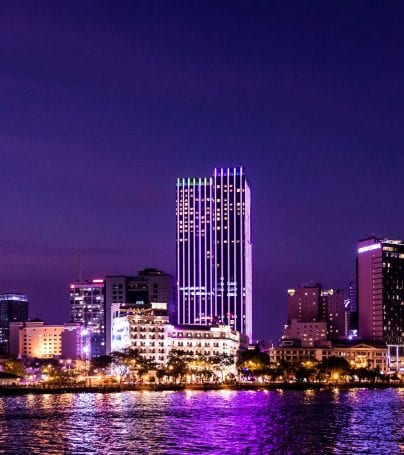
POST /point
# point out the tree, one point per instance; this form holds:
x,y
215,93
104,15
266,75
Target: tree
x,y
126,363
221,362
14,366
334,367
253,363
178,364
101,363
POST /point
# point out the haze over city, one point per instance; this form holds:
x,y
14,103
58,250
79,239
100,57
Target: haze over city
x,y
105,104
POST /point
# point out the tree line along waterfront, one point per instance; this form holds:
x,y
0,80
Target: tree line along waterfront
x,y
127,369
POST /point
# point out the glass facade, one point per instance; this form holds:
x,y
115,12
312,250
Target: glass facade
x,y
13,308
380,287
87,307
214,250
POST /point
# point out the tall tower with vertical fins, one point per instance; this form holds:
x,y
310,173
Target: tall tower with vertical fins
x,y
214,250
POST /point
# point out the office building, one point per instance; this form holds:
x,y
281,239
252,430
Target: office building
x,y
76,344
214,250
149,285
304,303
13,308
380,288
304,333
34,339
352,308
334,313
314,315
87,307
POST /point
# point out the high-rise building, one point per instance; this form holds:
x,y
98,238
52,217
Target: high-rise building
x,y
314,314
150,285
352,308
304,303
13,308
333,302
380,288
214,250
87,306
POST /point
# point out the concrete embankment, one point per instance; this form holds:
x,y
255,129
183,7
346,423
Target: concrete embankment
x,y
36,390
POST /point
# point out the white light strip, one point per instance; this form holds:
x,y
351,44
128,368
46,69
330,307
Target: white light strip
x,y
364,249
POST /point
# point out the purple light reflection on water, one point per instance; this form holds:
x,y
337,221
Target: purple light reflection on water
x,y
227,422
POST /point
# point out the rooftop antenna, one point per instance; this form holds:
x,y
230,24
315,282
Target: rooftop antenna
x,y
79,272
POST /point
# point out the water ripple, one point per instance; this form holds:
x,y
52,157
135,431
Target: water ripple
x,y
226,422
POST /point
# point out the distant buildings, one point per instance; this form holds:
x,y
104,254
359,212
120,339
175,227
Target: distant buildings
x,y
314,315
214,250
87,307
13,308
380,288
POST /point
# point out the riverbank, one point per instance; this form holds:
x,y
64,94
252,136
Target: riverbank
x,y
41,389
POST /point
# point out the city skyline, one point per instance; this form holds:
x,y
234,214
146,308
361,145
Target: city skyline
x,y
104,108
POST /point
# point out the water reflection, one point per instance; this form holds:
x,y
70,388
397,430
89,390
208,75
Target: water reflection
x,y
227,421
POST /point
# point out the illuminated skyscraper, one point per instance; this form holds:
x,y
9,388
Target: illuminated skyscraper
x,y
380,287
87,306
214,250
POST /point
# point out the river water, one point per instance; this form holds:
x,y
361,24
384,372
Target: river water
x,y
214,422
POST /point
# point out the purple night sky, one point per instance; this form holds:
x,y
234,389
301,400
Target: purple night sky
x,y
105,104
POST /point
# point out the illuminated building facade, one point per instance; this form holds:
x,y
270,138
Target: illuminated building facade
x,y
149,285
143,329
359,355
34,339
87,306
148,331
207,341
13,308
214,250
380,287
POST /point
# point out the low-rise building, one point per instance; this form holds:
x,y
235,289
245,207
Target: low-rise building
x,y
144,329
35,339
305,334
207,341
360,355
148,330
